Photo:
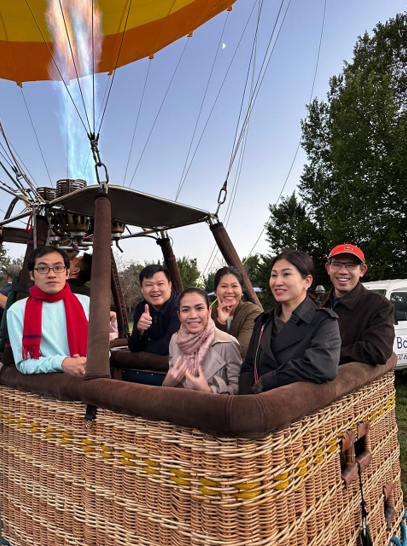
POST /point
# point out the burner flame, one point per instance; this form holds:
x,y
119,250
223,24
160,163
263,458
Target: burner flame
x,y
70,25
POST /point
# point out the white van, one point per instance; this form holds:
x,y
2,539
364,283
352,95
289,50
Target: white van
x,y
396,292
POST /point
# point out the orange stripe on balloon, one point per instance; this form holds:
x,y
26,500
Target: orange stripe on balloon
x,y
29,61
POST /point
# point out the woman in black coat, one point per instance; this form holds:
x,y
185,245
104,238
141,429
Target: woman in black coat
x,y
295,341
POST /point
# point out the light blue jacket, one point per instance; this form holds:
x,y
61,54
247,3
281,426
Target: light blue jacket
x,y
54,339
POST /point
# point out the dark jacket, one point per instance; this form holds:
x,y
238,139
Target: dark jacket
x,y
5,291
242,324
306,349
77,287
366,325
165,323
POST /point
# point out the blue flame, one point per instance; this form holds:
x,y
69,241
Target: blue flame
x,y
71,31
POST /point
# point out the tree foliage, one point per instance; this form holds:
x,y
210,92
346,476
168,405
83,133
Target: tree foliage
x,y
291,227
354,185
5,261
258,271
188,270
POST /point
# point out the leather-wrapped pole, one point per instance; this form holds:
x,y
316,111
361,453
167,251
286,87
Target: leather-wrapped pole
x,y
97,363
171,263
232,258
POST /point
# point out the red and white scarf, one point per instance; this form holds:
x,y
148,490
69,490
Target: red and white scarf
x,y
195,346
76,322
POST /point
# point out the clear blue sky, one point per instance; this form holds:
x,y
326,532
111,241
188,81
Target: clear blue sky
x,y
274,130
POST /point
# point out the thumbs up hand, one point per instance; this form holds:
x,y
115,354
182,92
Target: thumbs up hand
x,y
145,321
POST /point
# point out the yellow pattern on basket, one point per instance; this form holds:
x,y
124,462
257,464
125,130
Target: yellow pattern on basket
x,y
246,492
180,477
149,468
282,476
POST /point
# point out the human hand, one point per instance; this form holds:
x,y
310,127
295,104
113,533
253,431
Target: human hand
x,y
113,330
223,311
196,383
145,321
175,374
74,365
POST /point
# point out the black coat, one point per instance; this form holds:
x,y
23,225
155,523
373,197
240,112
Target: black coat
x,y
307,349
366,324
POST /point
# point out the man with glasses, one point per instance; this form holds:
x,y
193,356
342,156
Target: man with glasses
x,y
48,331
365,318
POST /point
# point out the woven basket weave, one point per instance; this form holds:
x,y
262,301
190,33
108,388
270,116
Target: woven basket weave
x,y
128,481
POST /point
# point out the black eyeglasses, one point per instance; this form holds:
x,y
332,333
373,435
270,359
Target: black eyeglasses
x,y
45,270
350,266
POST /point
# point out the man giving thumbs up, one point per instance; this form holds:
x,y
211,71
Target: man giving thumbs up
x,y
156,317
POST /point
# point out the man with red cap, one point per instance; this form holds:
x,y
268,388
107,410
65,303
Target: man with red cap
x,y
365,318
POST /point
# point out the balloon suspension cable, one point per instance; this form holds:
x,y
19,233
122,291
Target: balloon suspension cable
x,y
10,190
94,141
19,172
222,197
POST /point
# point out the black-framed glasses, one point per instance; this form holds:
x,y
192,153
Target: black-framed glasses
x,y
45,270
350,266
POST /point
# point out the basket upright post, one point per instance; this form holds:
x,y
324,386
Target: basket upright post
x,y
170,261
97,363
232,258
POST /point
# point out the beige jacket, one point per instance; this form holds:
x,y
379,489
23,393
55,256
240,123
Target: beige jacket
x,y
221,366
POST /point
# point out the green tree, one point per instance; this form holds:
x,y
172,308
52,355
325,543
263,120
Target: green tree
x,y
291,227
258,271
130,283
188,270
354,186
5,261
209,282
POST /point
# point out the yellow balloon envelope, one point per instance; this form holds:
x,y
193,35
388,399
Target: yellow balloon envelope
x,y
25,39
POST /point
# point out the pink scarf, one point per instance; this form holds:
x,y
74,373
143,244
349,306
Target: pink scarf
x,y
195,346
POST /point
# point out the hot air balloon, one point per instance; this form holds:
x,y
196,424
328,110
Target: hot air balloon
x,y
130,31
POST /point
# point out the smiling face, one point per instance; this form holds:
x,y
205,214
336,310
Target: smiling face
x,y
156,290
193,312
345,270
51,282
287,285
229,291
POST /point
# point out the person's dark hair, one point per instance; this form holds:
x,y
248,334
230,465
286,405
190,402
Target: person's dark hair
x,y
85,265
193,290
228,270
42,251
302,262
150,270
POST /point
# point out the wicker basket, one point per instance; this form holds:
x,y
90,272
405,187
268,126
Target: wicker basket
x,y
129,481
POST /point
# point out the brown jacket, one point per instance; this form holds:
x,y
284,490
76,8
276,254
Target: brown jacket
x,y
242,324
221,365
366,325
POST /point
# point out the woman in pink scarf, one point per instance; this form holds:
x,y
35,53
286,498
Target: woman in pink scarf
x,y
202,358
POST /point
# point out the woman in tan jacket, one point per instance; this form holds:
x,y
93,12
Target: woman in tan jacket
x,y
202,357
231,314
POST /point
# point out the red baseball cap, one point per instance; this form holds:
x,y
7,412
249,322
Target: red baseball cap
x,y
347,249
